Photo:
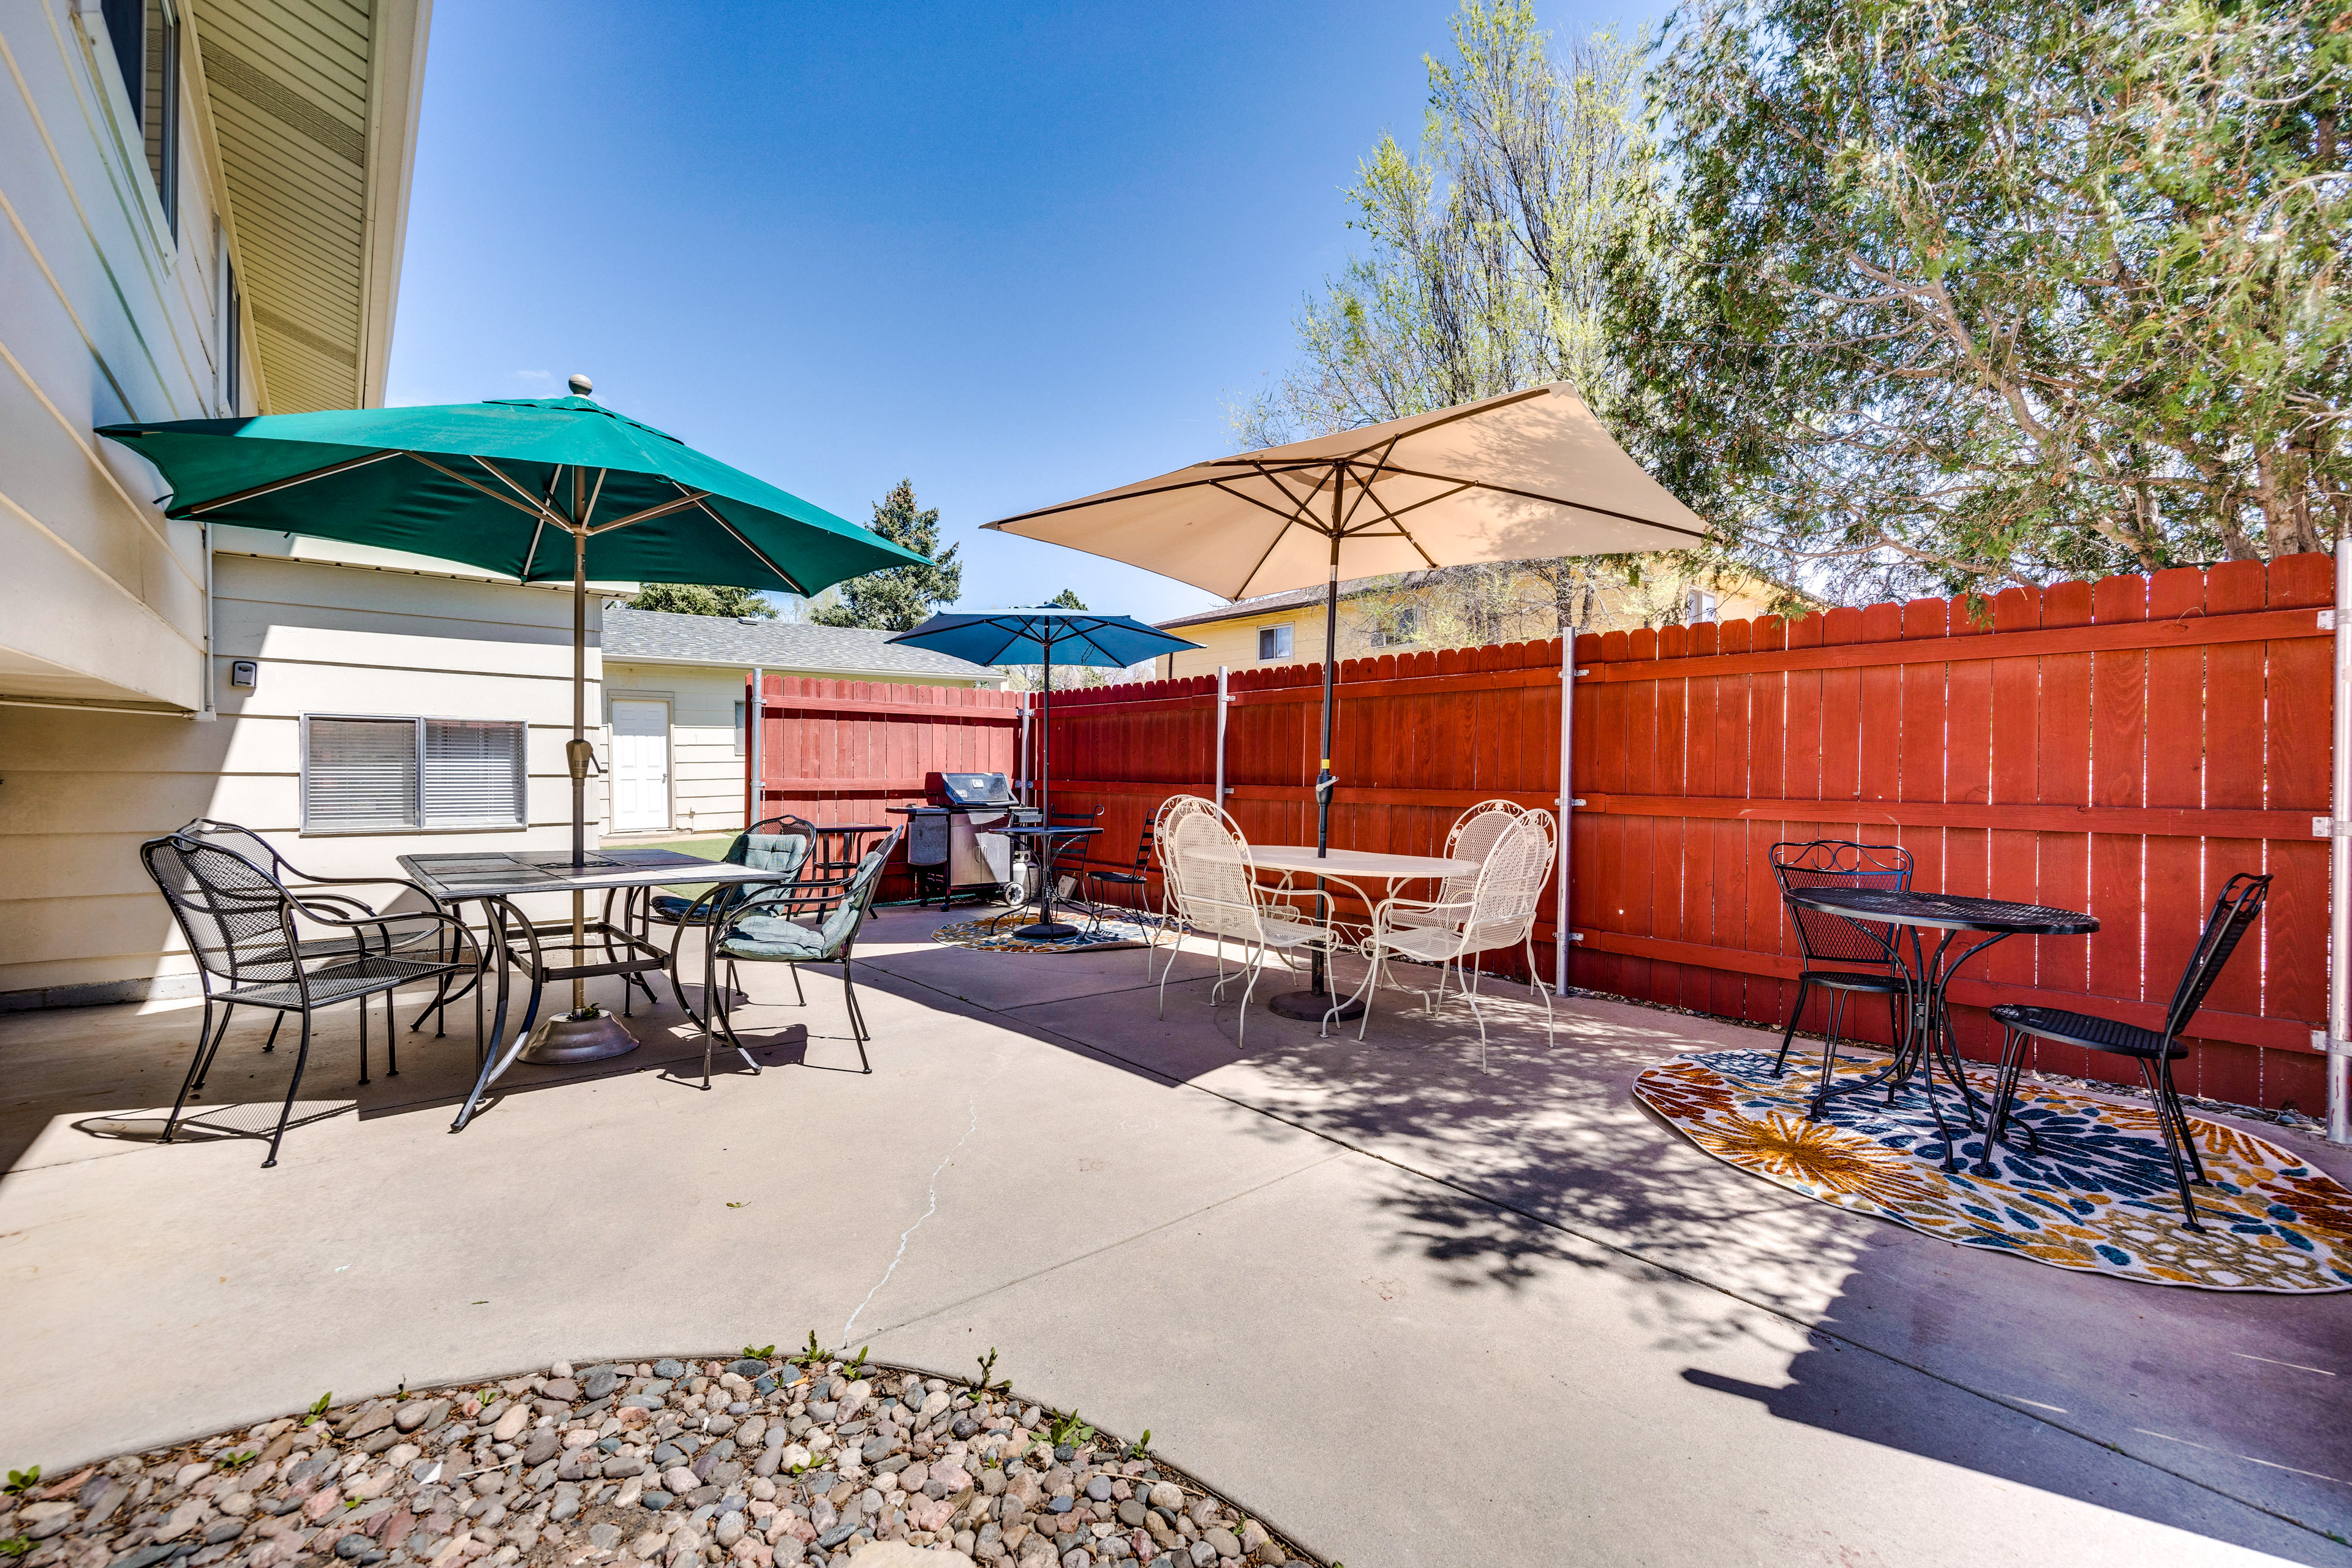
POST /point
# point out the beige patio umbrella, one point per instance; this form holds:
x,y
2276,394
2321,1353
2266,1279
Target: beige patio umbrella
x,y
1527,475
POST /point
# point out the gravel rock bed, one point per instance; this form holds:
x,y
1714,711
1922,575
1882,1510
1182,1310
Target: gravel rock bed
x,y
760,1462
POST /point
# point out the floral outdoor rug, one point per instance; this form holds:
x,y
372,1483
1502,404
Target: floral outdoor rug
x,y
2098,1196
993,933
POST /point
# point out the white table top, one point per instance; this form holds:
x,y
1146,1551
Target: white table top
x,y
1349,864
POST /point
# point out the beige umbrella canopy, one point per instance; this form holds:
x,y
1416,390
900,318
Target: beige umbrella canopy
x,y
1527,476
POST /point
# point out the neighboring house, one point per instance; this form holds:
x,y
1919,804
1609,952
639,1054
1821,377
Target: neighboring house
x,y
207,200
1388,616
674,693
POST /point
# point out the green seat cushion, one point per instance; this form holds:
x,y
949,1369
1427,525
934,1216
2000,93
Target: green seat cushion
x,y
769,936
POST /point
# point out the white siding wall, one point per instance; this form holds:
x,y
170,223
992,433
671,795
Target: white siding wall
x,y
80,791
103,318
705,776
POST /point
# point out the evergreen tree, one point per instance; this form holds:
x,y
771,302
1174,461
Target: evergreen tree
x,y
898,599
702,599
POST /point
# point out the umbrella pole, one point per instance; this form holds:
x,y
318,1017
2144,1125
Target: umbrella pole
x,y
1316,1000
585,1033
579,744
1045,928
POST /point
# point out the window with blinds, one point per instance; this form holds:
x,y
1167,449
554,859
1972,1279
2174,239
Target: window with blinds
x,y
363,776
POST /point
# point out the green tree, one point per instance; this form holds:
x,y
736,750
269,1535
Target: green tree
x,y
1486,270
1067,599
901,598
702,599
1968,292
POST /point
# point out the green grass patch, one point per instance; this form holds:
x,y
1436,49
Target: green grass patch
x,y
701,848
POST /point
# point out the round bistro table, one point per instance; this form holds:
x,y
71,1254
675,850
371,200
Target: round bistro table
x,y
1930,972
1046,843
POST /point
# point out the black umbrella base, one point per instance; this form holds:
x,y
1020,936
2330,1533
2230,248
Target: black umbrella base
x,y
1312,1005
564,1038
1046,930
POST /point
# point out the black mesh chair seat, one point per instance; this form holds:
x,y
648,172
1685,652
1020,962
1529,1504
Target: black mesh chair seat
x,y
335,983
1856,980
2099,1033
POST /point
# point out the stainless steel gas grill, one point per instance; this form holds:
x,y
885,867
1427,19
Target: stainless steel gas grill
x,y
957,845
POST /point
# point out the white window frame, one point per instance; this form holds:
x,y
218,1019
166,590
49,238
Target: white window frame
x,y
1282,635
417,803
1699,606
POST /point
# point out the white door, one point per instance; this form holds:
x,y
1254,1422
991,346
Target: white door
x,y
640,766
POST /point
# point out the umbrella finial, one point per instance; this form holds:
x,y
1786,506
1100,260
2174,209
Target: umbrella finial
x,y
582,386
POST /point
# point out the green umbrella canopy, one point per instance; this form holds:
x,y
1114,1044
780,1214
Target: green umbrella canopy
x,y
501,485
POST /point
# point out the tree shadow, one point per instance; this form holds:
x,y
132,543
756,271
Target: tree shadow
x,y
2038,1376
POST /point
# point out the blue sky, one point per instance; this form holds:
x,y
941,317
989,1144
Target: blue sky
x,y
1016,255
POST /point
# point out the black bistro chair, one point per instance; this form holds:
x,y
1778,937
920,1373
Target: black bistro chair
x,y
2234,914
1842,956
311,889
1070,858
244,928
784,844
754,932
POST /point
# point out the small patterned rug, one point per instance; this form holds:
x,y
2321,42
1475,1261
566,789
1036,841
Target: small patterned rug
x,y
993,933
2099,1196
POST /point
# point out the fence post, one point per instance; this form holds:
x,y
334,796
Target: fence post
x,y
1560,933
1221,701
2339,863
752,773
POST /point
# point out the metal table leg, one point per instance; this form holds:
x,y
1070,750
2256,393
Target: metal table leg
x,y
494,1062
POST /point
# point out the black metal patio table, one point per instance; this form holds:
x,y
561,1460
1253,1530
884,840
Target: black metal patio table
x,y
515,941
1931,972
1044,839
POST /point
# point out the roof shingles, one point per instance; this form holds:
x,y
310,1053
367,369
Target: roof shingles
x,y
852,651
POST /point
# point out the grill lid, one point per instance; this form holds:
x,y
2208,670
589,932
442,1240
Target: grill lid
x,y
976,789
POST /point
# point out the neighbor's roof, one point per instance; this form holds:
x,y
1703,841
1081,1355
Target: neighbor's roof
x,y
1289,599
658,636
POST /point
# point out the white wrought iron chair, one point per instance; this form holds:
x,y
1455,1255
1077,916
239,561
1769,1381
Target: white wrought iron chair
x,y
1172,810
1498,912
1218,896
1473,838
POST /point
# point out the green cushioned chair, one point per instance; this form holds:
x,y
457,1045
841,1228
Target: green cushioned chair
x,y
759,930
780,844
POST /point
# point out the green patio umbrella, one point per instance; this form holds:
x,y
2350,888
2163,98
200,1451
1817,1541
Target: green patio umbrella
x,y
534,488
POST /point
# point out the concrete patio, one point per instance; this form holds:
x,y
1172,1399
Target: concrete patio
x,y
1412,1313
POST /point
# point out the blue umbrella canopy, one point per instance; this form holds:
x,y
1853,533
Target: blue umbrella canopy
x,y
1045,634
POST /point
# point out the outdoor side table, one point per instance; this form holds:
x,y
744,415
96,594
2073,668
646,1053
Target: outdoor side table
x,y
1351,868
1046,843
1931,973
514,941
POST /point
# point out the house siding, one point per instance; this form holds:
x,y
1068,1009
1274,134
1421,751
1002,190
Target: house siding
x,y
80,920
108,319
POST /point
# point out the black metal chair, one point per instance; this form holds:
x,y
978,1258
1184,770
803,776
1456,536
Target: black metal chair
x,y
750,931
1842,956
2233,914
243,927
1070,860
1138,880
308,886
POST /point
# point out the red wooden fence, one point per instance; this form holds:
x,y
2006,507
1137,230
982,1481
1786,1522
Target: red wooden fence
x,y
2121,746
846,750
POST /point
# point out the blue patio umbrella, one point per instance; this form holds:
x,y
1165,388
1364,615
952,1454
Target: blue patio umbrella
x,y
1046,634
